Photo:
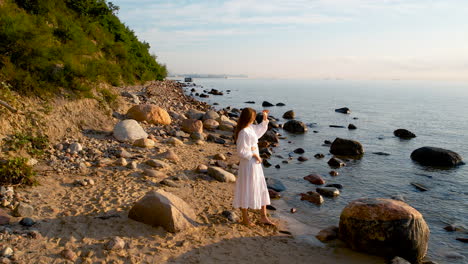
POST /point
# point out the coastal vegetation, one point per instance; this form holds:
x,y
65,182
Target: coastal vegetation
x,y
47,47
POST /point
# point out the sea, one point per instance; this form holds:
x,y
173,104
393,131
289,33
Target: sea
x,y
436,111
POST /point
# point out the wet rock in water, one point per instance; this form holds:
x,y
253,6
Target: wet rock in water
x,y
398,260
269,136
319,156
157,163
312,197
219,156
277,166
336,163
336,126
315,179
221,175
275,184
160,208
346,147
273,124
215,92
352,127
267,104
432,156
274,194
381,153
343,110
462,239
192,125
328,191
293,210
285,161
270,207
327,142
23,210
328,234
299,151
384,227
280,104
4,217
336,185
333,173
295,126
231,216
289,115
150,113
144,143
116,243
266,163
302,158
404,134
128,131
68,254
454,256
210,124
27,222
211,114
419,186
249,102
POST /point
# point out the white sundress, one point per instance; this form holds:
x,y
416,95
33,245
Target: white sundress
x,y
251,189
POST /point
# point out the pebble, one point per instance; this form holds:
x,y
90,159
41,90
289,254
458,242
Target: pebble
x,y
334,173
27,222
24,210
115,243
219,157
293,210
132,165
302,158
319,156
6,252
231,216
68,254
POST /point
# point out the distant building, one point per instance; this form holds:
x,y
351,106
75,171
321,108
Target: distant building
x,y
188,79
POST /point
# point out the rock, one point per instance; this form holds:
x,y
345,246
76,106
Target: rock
x,y
274,194
154,173
31,162
270,137
4,217
351,127
312,197
219,156
221,175
144,143
454,255
295,126
170,155
249,102
275,184
170,183
293,210
266,163
403,133
343,110
157,164
267,104
5,260
328,191
160,208
75,147
336,163
280,104
346,147
215,139
327,234
197,136
333,173
123,153
419,186
398,260
336,185
202,168
174,141
224,126
384,227
289,115
132,165
302,158
121,162
68,254
221,164
150,113
381,153
462,239
128,131
27,222
299,151
277,166
211,114
336,126
23,210
315,179
231,216
319,156
210,124
192,125
270,207
116,243
432,156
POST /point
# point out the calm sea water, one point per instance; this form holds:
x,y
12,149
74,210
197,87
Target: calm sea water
x,y
435,111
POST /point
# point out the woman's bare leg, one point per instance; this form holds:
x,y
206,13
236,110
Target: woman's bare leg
x,y
245,217
264,219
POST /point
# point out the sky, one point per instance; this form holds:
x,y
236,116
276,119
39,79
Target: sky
x,y
306,39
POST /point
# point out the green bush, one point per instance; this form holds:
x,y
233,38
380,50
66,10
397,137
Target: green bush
x,y
34,145
16,171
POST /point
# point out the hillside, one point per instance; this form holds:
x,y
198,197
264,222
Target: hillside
x,y
51,46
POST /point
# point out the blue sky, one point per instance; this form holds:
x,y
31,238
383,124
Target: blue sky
x,y
351,39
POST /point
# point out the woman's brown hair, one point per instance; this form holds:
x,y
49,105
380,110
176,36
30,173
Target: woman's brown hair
x,y
247,115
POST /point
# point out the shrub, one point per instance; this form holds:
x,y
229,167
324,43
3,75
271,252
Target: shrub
x,y
15,171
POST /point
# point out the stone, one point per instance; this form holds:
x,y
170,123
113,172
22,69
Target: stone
x,y
219,156
31,162
328,191
160,208
278,166
249,102
289,115
170,183
384,227
195,114
202,168
267,104
319,156
24,210
231,216
398,260
170,155
221,175
174,141
270,137
4,217
438,157
328,234
150,113
68,254
144,143
215,139
293,210
210,124
312,197
315,179
336,185
123,153
299,151
266,163
116,243
419,186
295,126
27,222
211,114
192,125
224,126
404,133
351,127
280,104
132,165
343,110
336,163
275,184
128,131
274,194
302,158
270,207
462,239
346,147
333,173
154,173
221,164
157,164
75,147
121,162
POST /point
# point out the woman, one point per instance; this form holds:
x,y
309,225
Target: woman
x,y
251,190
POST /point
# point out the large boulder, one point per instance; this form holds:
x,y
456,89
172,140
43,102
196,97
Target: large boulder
x,y
289,115
295,126
403,133
4,217
384,227
267,104
343,110
128,131
269,136
210,124
195,114
192,125
275,185
211,114
346,147
160,208
150,113
433,156
221,175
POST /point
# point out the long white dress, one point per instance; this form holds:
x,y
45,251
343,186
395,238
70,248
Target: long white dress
x,y
251,189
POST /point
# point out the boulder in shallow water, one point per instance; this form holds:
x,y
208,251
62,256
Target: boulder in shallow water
x,y
346,147
315,179
343,110
327,234
433,156
384,227
328,191
403,133
267,104
269,136
280,104
275,184
128,131
150,113
336,163
289,115
295,126
313,197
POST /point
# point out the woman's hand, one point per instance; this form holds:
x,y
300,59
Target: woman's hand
x,y
259,160
265,114
253,148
